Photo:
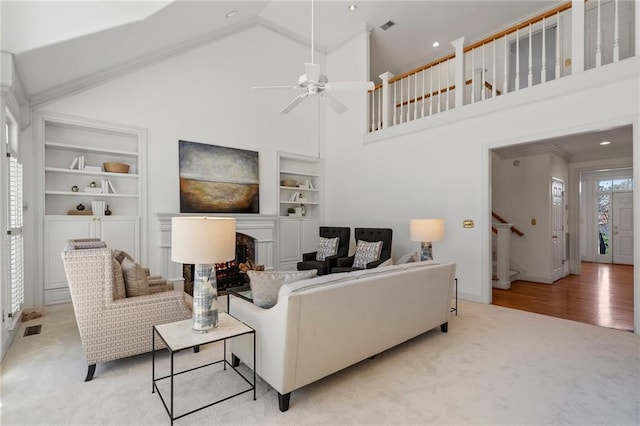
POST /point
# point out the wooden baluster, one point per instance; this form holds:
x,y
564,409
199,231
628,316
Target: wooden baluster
x,y
403,119
530,74
423,94
401,101
598,40
558,35
505,80
408,118
409,98
415,97
473,75
517,85
543,71
616,29
380,108
431,91
394,103
372,107
448,86
482,77
439,85
494,89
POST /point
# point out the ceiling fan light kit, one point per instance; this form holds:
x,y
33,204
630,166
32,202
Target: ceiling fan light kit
x,y
312,83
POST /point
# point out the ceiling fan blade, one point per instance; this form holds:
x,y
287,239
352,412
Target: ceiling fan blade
x,y
294,103
350,85
312,71
274,87
335,104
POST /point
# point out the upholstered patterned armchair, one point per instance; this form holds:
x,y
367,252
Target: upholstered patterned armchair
x,y
111,327
346,264
324,266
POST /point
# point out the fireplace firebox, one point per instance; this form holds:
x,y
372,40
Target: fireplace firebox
x,y
228,274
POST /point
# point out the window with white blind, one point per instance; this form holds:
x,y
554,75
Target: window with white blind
x,y
14,241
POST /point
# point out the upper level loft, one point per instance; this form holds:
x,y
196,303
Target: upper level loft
x,y
569,39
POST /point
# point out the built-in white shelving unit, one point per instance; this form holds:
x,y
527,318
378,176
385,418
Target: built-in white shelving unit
x,y
62,141
298,231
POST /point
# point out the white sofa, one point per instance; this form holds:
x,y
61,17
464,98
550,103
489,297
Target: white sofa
x,y
324,324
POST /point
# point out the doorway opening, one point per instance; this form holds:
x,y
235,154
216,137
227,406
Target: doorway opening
x,y
574,202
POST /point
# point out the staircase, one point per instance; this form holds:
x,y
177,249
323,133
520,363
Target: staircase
x,y
503,274
512,275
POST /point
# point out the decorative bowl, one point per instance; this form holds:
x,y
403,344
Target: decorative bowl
x,y
112,167
289,182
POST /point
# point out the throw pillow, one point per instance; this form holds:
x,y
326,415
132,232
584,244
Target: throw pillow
x,y
119,291
120,255
135,280
366,251
407,258
266,284
327,247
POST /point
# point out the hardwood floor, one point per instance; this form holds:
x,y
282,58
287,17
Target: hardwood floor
x,y
601,295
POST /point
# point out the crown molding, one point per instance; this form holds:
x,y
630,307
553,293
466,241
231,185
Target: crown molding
x,y
291,35
42,98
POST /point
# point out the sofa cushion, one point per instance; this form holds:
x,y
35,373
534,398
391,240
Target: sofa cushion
x,y
314,282
327,247
119,291
266,284
408,258
366,251
392,268
135,279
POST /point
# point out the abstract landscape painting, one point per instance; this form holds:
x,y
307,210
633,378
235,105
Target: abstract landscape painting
x,y
217,179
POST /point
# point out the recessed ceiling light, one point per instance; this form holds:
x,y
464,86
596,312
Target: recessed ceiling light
x,y
436,44
352,7
231,14
603,143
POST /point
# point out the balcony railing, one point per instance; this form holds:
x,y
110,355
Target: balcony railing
x,y
567,39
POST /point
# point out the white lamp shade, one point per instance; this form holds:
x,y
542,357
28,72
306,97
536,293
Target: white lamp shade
x,y
427,230
203,240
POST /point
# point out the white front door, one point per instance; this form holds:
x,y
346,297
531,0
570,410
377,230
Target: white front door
x,y
623,228
557,229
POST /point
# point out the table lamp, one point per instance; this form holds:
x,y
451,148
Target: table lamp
x,y
203,241
426,231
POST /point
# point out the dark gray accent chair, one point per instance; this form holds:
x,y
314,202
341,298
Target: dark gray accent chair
x,y
345,264
324,266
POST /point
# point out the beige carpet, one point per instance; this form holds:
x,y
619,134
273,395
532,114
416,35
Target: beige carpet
x,y
495,366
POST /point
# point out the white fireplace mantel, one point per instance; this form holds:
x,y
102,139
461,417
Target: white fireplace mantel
x,y
261,227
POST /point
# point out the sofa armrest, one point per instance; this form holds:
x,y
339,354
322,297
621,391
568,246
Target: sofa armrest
x,y
346,261
276,341
375,263
331,262
309,256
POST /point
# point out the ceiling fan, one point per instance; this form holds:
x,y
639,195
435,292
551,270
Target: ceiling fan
x,y
312,83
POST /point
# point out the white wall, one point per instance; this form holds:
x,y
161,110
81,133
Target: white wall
x,y
438,167
441,167
204,96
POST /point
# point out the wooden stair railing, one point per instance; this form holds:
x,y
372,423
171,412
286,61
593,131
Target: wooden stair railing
x,y
502,220
487,85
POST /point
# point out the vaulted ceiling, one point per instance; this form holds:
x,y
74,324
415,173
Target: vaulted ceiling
x,y
62,46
